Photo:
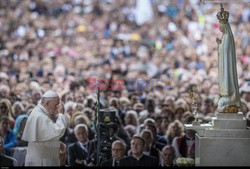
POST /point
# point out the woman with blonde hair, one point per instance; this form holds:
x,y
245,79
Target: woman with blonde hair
x,y
131,117
175,129
6,110
7,134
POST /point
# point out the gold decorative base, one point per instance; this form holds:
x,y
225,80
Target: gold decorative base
x,y
230,109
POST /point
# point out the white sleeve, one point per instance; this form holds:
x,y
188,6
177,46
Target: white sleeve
x,y
48,130
175,145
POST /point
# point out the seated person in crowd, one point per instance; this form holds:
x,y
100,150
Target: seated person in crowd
x,y
168,156
6,110
158,141
79,152
175,129
5,161
18,129
9,137
149,149
184,145
118,152
137,158
112,137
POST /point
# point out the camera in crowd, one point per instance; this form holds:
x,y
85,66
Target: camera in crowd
x,y
108,126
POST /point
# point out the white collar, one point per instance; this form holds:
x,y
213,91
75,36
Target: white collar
x,y
137,157
80,143
113,162
83,146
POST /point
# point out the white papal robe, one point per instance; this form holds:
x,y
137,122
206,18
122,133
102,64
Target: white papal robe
x,y
43,137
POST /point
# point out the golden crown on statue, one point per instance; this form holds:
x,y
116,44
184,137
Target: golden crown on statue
x,y
223,16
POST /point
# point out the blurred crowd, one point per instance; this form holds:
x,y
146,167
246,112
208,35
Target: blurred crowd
x,y
56,45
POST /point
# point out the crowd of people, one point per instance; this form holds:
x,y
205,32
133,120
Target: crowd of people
x,y
58,45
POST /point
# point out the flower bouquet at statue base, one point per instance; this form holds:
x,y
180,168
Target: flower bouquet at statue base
x,y
185,162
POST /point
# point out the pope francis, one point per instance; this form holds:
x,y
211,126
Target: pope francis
x,y
43,134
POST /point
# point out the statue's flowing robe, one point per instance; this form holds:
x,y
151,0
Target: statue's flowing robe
x,y
228,80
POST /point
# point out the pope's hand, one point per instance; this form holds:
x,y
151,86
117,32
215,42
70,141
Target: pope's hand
x,y
61,108
79,161
62,153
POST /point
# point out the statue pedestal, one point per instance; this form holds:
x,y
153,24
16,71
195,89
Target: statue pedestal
x,y
225,142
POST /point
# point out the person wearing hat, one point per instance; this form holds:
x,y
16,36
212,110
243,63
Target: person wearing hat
x,y
137,158
42,134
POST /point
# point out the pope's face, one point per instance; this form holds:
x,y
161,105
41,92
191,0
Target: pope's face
x,y
53,106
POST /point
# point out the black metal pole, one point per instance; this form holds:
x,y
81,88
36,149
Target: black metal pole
x,y
98,127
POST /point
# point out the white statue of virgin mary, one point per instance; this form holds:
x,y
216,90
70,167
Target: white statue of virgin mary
x,y
228,82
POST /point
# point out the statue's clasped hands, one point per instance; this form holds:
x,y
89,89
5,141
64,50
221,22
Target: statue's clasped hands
x,y
218,41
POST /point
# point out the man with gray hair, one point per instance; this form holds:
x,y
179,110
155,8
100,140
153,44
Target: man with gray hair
x,y
168,156
118,152
79,152
43,134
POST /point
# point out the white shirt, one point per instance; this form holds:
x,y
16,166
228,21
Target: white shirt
x,y
177,152
83,146
113,163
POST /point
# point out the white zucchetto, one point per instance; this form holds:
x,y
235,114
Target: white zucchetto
x,y
50,94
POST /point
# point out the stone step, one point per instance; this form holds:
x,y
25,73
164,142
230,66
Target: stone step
x,y
229,124
230,116
232,133
222,151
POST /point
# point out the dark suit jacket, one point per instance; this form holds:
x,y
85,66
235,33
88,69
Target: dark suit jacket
x,y
93,158
107,163
145,160
154,153
75,151
173,165
5,161
158,145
